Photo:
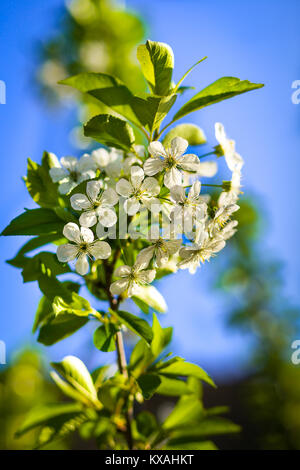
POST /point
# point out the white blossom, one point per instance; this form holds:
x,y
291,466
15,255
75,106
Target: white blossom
x,y
234,161
109,161
189,208
171,160
138,190
200,251
82,247
72,171
160,250
131,278
96,205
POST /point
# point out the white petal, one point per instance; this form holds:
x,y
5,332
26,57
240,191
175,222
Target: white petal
x,y
85,163
208,169
172,177
220,132
88,218
177,193
152,166
82,265
57,174
234,161
122,271
146,276
131,206
65,188
79,202
189,162
71,232
86,234
69,163
117,287
101,157
93,189
100,250
124,188
144,257
137,176
161,258
194,191
128,162
66,252
86,175
173,246
109,197
107,216
178,146
157,149
151,186
152,203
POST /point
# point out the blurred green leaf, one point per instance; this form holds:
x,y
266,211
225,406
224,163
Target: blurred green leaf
x,y
192,133
148,384
51,415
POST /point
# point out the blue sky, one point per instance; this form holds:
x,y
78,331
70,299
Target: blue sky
x,y
255,40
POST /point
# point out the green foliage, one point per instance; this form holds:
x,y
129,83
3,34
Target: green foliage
x,y
39,183
104,337
157,63
103,401
35,222
222,89
135,324
111,131
77,382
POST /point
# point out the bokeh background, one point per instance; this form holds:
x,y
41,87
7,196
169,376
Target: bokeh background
x,y
238,315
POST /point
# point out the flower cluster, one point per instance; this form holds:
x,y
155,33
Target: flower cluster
x,y
166,184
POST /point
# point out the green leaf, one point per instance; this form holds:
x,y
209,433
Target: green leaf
x,y
157,62
148,384
206,427
43,262
192,133
76,305
104,338
172,387
35,222
73,370
39,183
59,328
149,296
186,410
135,324
185,369
146,423
222,89
107,89
45,309
161,337
50,415
202,445
111,131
